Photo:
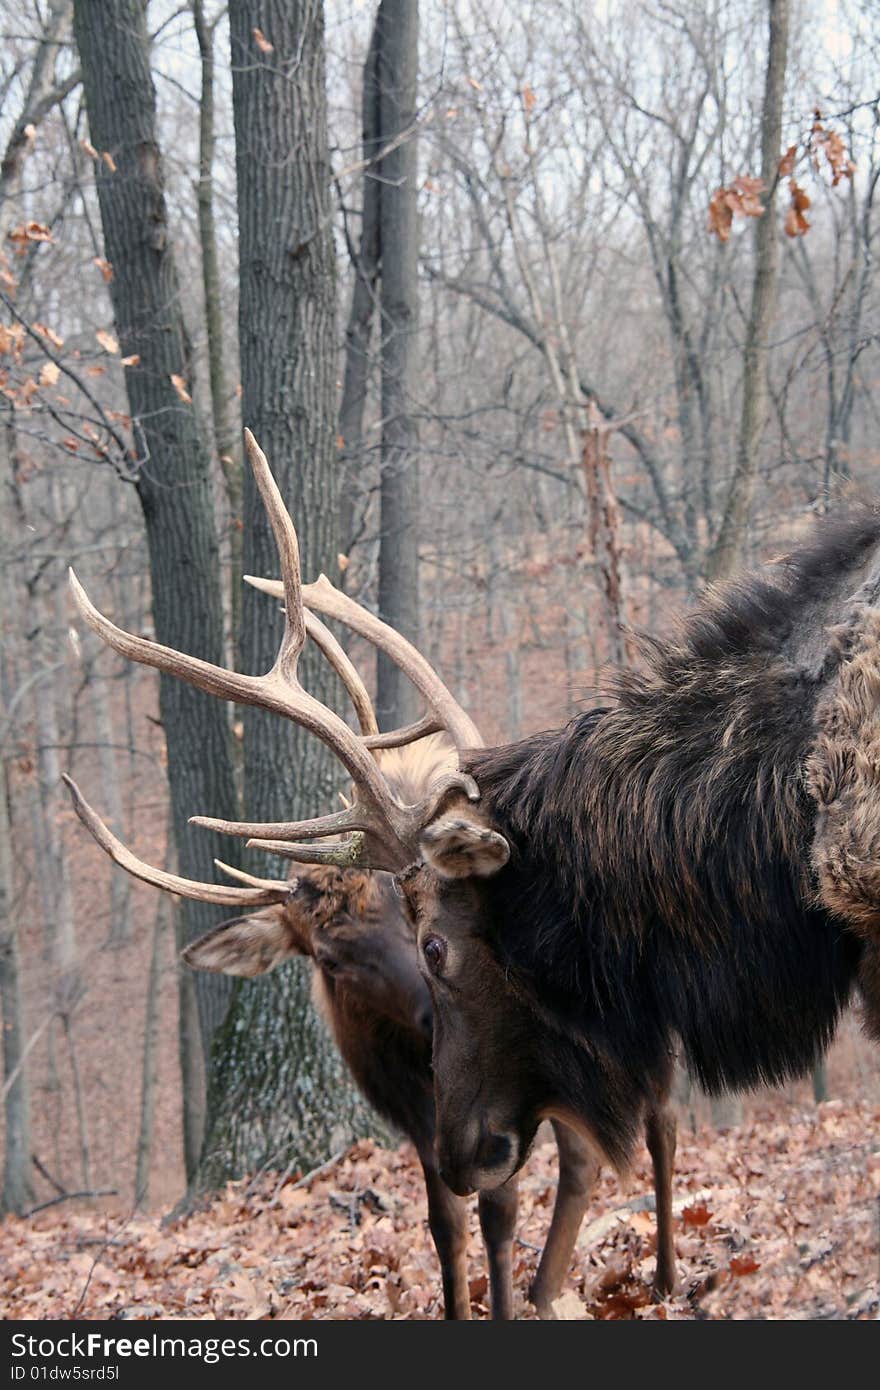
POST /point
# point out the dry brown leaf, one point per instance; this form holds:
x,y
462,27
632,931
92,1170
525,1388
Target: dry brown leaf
x,y
786,163
107,340
740,199
697,1215
48,334
796,224
569,1308
49,374
27,232
262,42
179,384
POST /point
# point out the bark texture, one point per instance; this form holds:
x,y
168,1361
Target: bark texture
x,y
397,27
279,1094
17,1193
173,477
364,297
734,525
225,442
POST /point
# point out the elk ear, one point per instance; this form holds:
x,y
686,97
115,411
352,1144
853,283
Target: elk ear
x,y
246,946
459,848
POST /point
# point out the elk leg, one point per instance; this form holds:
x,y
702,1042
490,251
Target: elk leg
x,y
578,1171
447,1219
498,1224
660,1134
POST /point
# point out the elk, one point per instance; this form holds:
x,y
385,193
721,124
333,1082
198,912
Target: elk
x,y
350,922
369,987
694,867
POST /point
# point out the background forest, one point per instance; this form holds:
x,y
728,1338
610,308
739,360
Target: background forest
x,y
545,314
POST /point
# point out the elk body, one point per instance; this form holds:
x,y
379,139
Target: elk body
x,y
700,863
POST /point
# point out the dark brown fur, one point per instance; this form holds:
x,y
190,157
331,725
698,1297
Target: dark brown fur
x,y
662,876
369,987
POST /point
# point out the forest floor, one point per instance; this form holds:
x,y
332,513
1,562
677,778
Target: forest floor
x,y
777,1219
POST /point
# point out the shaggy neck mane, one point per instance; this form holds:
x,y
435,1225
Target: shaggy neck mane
x,y
679,816
690,789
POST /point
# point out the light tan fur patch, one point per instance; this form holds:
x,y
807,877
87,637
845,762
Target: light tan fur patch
x,y
843,776
247,947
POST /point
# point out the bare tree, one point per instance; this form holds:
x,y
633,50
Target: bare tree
x,y
17,1193
225,442
397,49
274,1057
44,92
737,508
364,295
172,466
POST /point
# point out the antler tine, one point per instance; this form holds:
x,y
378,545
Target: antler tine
x,y
396,738
332,603
262,891
279,689
269,883
356,817
351,853
323,638
288,555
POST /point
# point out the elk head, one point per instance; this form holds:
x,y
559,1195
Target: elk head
x,y
350,924
490,1092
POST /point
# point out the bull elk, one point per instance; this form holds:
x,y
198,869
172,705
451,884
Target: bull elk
x,y
350,920
368,986
697,866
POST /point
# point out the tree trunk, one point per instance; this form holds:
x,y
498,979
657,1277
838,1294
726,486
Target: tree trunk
x,y
734,525
149,1063
173,479
354,492
397,26
225,441
279,1094
54,875
191,1055
603,530
111,800
17,1193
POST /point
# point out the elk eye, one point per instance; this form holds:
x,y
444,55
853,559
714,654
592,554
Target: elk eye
x,y
434,951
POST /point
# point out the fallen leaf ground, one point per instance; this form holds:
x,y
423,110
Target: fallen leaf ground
x,y
779,1219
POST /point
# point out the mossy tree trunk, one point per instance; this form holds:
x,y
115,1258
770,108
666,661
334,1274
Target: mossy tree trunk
x,y
173,468
279,1094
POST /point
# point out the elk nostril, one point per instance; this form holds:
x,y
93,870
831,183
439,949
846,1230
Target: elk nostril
x,y
494,1151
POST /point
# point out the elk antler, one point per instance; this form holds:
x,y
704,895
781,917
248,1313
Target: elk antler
x,y
445,712
323,639
260,892
380,832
